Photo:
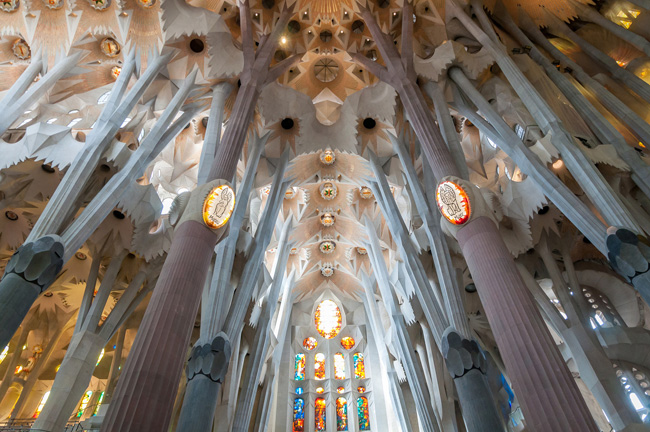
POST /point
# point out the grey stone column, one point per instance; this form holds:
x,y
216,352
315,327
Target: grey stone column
x,y
625,77
30,271
467,366
206,370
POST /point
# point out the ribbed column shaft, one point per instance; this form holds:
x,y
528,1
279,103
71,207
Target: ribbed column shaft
x,y
144,396
545,388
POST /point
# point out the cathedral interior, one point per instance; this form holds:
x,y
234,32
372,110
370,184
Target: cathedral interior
x,y
325,215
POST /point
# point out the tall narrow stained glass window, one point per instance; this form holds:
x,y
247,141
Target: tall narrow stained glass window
x,y
298,415
362,413
300,367
319,366
341,414
320,422
339,366
328,319
359,366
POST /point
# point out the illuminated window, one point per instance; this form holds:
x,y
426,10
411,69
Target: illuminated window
x,y
298,415
41,405
340,390
320,422
339,366
300,367
103,98
310,343
520,131
328,319
299,390
341,414
99,403
347,342
101,356
319,366
84,403
320,390
362,413
4,353
361,389
359,366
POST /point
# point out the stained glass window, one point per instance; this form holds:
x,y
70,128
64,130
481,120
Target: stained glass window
x,y
328,319
341,414
339,366
319,366
298,415
99,403
347,342
41,405
340,389
319,414
362,412
359,366
361,389
300,367
309,343
320,390
84,403
299,390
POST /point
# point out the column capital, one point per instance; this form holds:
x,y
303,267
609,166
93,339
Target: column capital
x,y
627,253
461,355
39,261
210,360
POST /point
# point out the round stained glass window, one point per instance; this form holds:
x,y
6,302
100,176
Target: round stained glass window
x,y
340,390
347,342
309,343
361,389
299,390
328,319
320,390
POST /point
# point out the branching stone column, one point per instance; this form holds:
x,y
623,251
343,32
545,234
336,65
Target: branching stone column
x,y
144,396
548,394
467,366
32,269
602,128
206,368
633,82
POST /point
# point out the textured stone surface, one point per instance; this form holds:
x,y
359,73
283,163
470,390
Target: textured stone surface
x,y
38,262
628,255
210,360
461,355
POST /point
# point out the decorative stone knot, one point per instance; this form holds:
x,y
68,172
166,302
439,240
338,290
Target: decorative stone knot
x,y
38,262
627,254
210,359
461,355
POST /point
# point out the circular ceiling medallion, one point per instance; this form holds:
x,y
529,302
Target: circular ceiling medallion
x,y
110,47
9,5
453,202
327,219
53,4
293,251
146,3
99,4
365,192
362,251
290,193
218,206
328,191
115,72
327,157
326,70
327,270
21,49
327,247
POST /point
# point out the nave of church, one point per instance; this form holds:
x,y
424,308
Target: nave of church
x,y
324,215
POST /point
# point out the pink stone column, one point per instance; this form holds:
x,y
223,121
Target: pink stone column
x,y
545,388
144,397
